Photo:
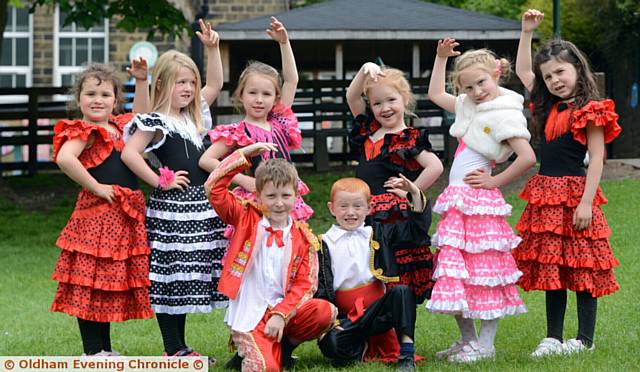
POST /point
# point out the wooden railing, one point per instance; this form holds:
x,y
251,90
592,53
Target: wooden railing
x,y
319,103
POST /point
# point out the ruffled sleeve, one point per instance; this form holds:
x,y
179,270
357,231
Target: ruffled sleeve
x,y
121,120
283,117
363,126
405,146
233,135
599,113
93,156
207,120
152,122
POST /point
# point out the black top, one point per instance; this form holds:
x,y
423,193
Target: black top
x,y
112,171
562,156
178,153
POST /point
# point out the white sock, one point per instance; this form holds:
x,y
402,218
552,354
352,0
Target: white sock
x,y
467,329
488,329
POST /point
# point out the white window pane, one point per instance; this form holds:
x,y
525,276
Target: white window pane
x,y
21,81
22,51
22,19
6,81
97,50
62,18
7,51
82,51
66,52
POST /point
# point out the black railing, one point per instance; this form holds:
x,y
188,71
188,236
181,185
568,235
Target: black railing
x,y
318,102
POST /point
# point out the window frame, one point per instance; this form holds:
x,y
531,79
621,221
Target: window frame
x,y
10,36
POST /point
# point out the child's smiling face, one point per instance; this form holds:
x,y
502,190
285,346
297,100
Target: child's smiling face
x,y
387,105
349,209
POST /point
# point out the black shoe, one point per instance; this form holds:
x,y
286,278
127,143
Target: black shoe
x,y
235,363
287,360
406,364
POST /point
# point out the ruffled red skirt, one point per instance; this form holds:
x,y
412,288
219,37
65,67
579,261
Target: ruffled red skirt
x,y
103,268
552,254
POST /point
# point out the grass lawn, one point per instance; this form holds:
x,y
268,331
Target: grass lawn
x,y
29,254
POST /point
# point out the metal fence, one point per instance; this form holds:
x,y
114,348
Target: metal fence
x,y
320,106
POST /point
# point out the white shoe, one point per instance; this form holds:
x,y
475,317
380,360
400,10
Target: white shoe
x,y
574,346
548,346
472,353
453,349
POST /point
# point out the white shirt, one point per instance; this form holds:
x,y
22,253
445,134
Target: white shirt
x,y
350,254
466,162
263,282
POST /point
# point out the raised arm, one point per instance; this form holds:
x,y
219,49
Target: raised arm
x,y
531,19
437,93
214,79
355,90
279,34
68,162
139,71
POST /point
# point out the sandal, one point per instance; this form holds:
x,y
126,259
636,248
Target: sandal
x,y
453,349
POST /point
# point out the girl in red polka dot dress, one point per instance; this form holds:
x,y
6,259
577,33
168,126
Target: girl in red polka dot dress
x,y
103,268
564,234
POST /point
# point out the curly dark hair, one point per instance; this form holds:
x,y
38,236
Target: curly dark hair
x,y
585,89
101,72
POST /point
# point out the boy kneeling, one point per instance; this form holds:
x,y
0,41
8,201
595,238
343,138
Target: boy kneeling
x,y
270,270
377,317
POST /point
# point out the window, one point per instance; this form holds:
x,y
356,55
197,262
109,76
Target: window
x,y
76,47
17,54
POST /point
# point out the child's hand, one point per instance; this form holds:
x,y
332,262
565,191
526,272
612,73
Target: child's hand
x,y
257,149
372,71
139,69
582,216
104,191
446,48
531,19
207,36
274,327
480,179
277,31
180,181
401,186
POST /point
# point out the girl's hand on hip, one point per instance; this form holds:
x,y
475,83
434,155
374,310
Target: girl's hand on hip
x,y
582,216
480,179
180,181
104,191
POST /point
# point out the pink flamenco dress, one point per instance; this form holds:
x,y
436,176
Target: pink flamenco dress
x,y
284,133
475,272
103,268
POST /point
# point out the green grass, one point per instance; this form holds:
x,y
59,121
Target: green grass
x,y
27,246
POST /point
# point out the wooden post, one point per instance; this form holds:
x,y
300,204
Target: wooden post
x,y
32,167
415,64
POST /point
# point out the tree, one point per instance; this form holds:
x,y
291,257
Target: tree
x,y
157,16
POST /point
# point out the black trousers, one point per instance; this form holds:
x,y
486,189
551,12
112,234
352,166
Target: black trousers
x,y
556,302
96,336
396,309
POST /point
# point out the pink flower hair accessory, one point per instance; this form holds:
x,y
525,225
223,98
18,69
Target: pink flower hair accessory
x,y
166,177
498,66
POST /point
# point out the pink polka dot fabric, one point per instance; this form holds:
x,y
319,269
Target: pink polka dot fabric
x,y
475,272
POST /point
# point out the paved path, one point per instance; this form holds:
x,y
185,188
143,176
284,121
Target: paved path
x,y
634,162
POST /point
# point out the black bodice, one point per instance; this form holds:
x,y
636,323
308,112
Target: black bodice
x,y
562,156
178,153
112,171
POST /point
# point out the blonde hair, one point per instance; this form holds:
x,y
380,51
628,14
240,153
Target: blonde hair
x,y
486,60
352,185
102,73
165,73
397,80
276,170
256,68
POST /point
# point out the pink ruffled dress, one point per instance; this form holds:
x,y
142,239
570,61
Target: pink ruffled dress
x,y
475,272
284,133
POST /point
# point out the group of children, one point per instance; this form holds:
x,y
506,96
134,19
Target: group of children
x,y
355,288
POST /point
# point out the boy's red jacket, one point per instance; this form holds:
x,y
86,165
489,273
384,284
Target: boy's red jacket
x,y
302,269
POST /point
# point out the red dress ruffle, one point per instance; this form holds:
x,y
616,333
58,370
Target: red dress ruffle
x,y
552,254
103,268
599,113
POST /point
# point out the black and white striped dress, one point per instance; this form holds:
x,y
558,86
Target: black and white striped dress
x,y
184,232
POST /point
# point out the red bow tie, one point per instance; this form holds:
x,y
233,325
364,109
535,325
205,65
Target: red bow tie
x,y
277,234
